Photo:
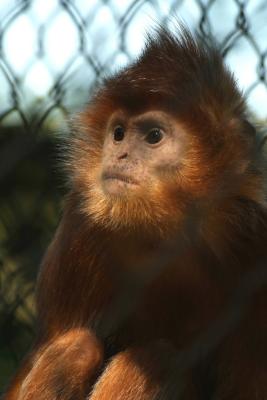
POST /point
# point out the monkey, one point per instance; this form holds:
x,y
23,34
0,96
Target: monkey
x,y
141,293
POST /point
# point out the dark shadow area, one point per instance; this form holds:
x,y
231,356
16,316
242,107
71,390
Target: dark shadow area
x,y
30,204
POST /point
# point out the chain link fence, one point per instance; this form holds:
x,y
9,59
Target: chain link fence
x,y
52,55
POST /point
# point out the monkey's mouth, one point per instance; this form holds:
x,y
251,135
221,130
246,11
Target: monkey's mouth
x,y
117,184
115,176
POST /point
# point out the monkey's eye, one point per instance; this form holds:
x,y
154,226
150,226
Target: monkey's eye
x,y
118,133
154,136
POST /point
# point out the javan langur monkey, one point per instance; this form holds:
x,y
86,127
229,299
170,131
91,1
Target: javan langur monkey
x,y
166,214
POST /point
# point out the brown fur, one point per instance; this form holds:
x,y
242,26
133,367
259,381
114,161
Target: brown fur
x,y
127,286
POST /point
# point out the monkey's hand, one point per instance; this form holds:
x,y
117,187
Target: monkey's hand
x,y
144,374
65,369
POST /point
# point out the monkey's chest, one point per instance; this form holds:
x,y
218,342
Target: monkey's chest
x,y
175,307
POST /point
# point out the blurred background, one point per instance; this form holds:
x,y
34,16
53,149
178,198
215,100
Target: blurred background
x,y
53,53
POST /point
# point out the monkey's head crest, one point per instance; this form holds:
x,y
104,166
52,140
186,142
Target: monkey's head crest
x,y
160,136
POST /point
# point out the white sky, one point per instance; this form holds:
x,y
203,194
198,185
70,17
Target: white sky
x,y
61,41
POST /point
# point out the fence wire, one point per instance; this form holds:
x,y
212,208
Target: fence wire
x,y
51,58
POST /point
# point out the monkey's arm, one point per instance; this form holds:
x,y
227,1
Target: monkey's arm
x,y
144,374
67,355
63,369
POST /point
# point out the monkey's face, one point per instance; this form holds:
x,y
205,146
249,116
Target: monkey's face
x,y
146,170
138,151
128,169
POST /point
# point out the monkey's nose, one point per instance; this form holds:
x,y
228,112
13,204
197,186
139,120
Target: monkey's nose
x,y
122,156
